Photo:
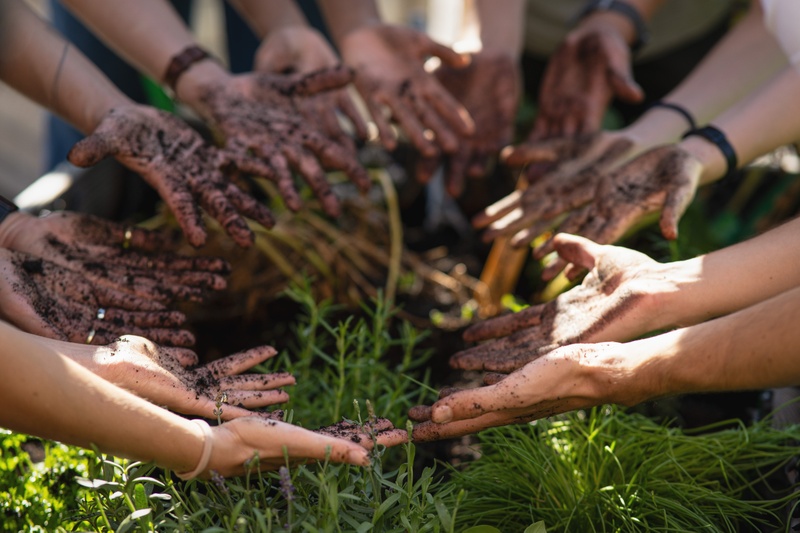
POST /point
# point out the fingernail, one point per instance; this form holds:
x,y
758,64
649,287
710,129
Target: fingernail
x,y
358,457
442,415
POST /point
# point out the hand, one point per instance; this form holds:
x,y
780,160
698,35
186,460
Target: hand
x,y
238,441
169,376
388,63
663,178
301,49
573,377
175,160
48,300
489,89
590,67
262,113
576,166
618,300
98,250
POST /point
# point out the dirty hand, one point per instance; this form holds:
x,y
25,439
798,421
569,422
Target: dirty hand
x,y
388,62
300,49
576,166
262,113
170,377
489,89
662,179
572,377
590,67
112,256
179,164
237,442
46,299
617,300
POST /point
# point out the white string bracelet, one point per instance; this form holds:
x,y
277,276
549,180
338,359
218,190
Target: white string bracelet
x,y
205,456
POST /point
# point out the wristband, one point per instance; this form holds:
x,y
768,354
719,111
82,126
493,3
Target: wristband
x,y
181,62
715,136
205,456
678,109
6,208
639,26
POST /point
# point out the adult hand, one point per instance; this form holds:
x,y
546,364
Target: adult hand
x,y
301,49
262,113
662,179
48,300
170,377
113,256
388,62
590,67
573,377
489,89
179,164
238,441
617,300
576,166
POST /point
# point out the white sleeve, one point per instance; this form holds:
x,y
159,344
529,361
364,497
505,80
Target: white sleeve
x,y
782,18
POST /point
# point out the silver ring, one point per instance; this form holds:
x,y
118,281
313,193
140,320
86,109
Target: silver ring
x,y
126,242
101,314
90,337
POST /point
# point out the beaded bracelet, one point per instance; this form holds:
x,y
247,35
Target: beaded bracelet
x,y
715,136
205,456
181,62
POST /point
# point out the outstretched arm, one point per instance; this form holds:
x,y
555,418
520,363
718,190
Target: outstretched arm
x,y
51,396
750,349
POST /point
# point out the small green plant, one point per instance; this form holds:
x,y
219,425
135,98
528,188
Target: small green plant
x,y
607,470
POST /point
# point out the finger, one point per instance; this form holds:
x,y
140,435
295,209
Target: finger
x,y
456,171
498,209
493,378
168,262
624,86
577,250
413,128
572,272
375,108
478,164
183,356
254,399
501,355
249,206
451,58
431,431
504,325
553,269
110,297
282,177
335,157
426,168
134,237
221,209
239,362
420,413
90,150
307,166
469,404
185,282
256,382
447,391
575,223
446,138
349,109
530,152
180,201
675,206
527,235
447,107
324,79
121,318
392,437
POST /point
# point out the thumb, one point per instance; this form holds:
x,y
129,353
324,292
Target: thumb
x,y
449,57
324,79
623,84
577,250
674,207
90,151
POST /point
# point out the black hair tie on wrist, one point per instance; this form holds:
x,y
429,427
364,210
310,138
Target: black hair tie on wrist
x,y
6,208
715,136
678,109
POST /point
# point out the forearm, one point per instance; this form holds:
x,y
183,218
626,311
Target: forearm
x,y
40,64
750,349
746,57
732,278
342,20
501,26
265,17
50,396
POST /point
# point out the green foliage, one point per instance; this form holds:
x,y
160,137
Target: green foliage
x,y
606,470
